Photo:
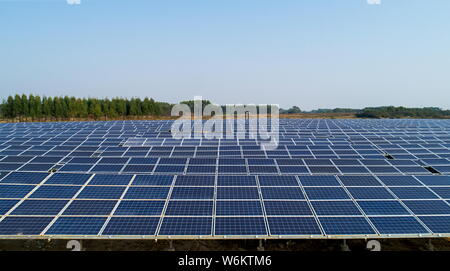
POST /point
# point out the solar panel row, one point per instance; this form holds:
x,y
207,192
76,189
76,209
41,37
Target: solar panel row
x,y
338,178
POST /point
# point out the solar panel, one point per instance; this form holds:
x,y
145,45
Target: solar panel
x,y
293,226
329,193
237,193
101,192
14,191
344,178
69,179
278,207
15,225
240,226
90,207
139,208
131,226
6,205
147,193
236,181
77,226
55,192
24,178
326,208
370,193
239,208
186,226
294,193
398,225
40,207
189,208
346,225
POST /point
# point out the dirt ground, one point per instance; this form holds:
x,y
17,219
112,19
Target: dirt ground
x,y
440,244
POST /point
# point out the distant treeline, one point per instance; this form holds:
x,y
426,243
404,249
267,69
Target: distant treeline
x,y
33,107
403,112
336,110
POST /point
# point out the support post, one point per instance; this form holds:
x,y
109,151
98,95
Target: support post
x,y
261,246
344,246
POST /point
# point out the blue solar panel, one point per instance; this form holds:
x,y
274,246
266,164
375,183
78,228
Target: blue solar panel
x,y
169,169
399,180
300,208
14,159
189,208
66,178
293,226
238,208
101,192
346,225
263,169
6,205
237,193
150,180
240,226
282,193
40,207
335,208
83,160
75,168
110,179
36,167
236,181
132,226
316,193
139,208
413,193
232,169
431,207
318,181
207,179
195,181
323,169
186,226
435,180
90,207
398,225
23,225
278,181
437,224
192,193
24,178
359,181
353,170
119,161
142,161
107,168
382,208
14,191
77,226
370,193
138,169
443,192
147,193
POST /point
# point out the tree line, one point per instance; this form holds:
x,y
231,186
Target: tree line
x,y
33,107
403,112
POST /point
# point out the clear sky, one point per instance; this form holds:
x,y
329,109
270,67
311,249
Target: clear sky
x,y
310,53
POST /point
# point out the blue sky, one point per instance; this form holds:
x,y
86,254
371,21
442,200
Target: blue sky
x,y
314,54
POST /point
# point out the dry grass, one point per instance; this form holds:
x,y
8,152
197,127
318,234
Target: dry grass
x,y
282,116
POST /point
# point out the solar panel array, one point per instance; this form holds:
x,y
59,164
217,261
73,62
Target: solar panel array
x,y
131,179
